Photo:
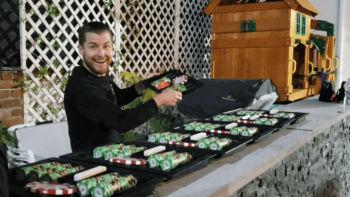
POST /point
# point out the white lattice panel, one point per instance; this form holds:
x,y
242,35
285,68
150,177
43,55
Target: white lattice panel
x,y
194,39
173,34
153,48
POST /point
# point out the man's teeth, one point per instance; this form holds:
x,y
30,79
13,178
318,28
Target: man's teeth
x,y
100,61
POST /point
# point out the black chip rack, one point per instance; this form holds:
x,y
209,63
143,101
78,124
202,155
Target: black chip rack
x,y
264,131
190,85
146,182
238,143
282,122
199,160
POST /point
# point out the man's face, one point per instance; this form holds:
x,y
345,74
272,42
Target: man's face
x,y
97,52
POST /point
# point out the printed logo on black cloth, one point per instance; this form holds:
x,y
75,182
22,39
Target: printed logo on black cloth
x,y
110,85
229,98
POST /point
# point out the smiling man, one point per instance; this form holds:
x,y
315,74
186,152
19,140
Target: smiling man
x,y
92,100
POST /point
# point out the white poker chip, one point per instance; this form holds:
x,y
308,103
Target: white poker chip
x,y
127,161
180,80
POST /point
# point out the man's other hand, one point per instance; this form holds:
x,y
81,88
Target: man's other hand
x,y
168,98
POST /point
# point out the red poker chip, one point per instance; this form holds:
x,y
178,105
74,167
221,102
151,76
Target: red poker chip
x,y
180,80
51,188
182,144
128,161
216,131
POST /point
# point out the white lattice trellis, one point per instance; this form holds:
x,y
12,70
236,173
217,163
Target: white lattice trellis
x,y
173,34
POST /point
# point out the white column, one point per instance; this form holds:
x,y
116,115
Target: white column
x,y
177,33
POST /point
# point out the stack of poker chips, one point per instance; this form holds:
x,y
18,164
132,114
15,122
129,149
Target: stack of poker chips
x,y
172,161
226,118
166,136
155,160
100,151
199,126
53,176
35,175
22,174
214,143
248,112
115,186
116,150
266,121
244,131
86,185
284,115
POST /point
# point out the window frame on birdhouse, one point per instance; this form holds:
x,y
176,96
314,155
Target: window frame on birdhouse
x,y
298,24
303,25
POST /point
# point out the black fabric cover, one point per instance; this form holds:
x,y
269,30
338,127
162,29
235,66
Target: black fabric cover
x,y
220,95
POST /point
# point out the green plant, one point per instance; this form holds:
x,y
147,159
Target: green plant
x,y
64,83
52,10
55,45
23,82
161,122
108,5
32,12
23,19
56,63
5,137
42,71
39,40
130,78
130,136
53,110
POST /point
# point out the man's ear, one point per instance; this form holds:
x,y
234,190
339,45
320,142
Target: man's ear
x,y
81,50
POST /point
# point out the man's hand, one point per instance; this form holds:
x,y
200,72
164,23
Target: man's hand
x,y
168,98
152,75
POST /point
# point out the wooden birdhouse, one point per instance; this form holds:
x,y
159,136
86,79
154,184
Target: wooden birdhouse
x,y
272,39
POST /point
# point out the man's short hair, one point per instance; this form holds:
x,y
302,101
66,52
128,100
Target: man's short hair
x,y
93,27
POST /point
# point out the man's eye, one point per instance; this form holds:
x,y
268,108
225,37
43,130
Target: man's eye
x,y
92,47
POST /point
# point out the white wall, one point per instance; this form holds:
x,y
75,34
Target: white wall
x,y
335,11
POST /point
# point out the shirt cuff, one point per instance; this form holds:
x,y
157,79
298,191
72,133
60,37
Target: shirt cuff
x,y
139,88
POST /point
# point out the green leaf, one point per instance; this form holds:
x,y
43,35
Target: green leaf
x,y
56,63
42,71
5,137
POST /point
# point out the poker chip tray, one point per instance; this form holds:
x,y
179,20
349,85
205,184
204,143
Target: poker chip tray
x,y
282,122
190,85
146,182
199,160
238,143
264,131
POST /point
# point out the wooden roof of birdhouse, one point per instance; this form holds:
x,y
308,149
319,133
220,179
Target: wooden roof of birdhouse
x,y
229,6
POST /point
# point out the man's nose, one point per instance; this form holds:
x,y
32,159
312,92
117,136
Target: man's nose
x,y
101,52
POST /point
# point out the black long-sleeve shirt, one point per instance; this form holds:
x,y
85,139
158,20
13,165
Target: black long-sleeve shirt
x,y
93,110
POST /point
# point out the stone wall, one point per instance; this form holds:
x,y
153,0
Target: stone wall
x,y
320,168
11,99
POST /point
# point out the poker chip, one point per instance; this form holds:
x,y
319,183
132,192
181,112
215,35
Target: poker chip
x,y
216,131
180,80
267,115
128,161
51,188
244,121
182,144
